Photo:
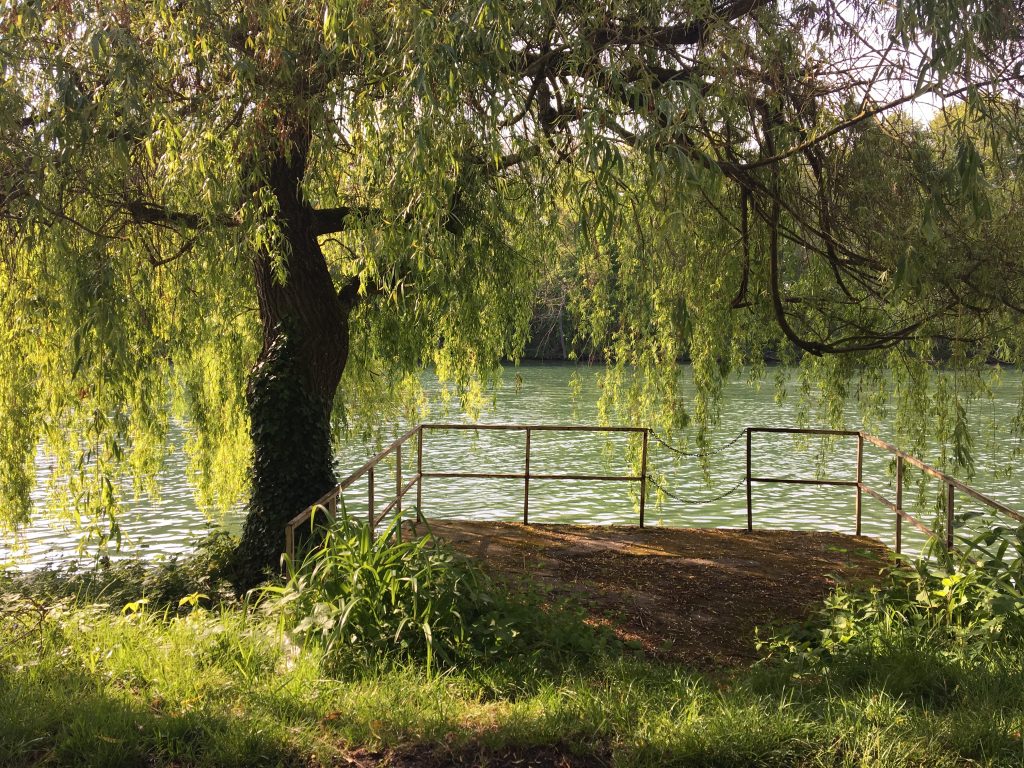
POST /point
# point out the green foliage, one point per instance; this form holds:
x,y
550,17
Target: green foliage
x,y
963,605
715,182
175,584
906,681
146,687
91,687
370,602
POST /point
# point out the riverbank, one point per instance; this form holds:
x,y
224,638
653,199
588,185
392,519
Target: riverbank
x,y
140,666
87,687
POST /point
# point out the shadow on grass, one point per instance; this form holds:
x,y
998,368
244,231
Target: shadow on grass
x,y
54,716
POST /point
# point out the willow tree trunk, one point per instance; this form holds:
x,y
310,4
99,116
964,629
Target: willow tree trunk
x,y
291,388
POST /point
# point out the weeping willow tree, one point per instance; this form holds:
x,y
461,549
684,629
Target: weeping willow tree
x,y
254,216
836,187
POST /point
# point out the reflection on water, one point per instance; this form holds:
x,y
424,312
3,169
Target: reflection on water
x,y
165,526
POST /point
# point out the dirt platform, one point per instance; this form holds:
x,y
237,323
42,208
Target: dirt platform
x,y
687,594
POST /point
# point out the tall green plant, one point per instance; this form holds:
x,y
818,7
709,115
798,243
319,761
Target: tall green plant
x,y
368,600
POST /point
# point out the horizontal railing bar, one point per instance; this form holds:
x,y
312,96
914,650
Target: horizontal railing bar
x,y
912,460
940,475
344,484
300,518
915,522
479,475
324,500
409,485
304,516
532,476
307,513
603,478
337,490
979,496
901,512
878,497
795,431
536,427
801,481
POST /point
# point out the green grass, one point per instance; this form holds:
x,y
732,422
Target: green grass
x,y
90,687
927,672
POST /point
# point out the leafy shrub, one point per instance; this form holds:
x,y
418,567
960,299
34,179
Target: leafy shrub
x,y
367,601
173,583
963,603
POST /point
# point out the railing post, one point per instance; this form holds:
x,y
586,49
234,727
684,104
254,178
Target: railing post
x,y
526,482
899,504
949,515
750,496
643,478
398,488
860,478
370,501
419,478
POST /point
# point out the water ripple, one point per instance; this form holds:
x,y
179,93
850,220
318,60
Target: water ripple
x,y
164,526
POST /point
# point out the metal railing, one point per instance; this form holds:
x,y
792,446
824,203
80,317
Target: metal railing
x,y
860,487
328,503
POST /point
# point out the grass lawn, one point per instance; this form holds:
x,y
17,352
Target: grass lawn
x,y
83,684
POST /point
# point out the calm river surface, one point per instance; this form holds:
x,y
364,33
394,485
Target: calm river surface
x,y
165,526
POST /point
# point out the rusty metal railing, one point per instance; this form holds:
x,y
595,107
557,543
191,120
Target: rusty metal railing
x,y
860,487
328,503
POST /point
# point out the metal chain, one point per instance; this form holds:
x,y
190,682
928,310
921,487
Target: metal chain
x,y
697,502
699,454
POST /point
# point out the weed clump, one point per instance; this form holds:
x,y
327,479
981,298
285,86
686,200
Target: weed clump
x,y
368,601
931,634
174,584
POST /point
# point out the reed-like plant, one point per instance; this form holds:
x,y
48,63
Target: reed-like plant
x,y
370,600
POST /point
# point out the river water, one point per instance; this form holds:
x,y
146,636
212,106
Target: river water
x,y
164,526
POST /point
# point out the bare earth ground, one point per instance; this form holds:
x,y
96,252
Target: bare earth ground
x,y
693,595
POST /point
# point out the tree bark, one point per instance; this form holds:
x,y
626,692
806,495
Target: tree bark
x,y
291,388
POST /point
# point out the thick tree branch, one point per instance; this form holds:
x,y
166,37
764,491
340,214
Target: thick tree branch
x,y
328,221
686,33
143,212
